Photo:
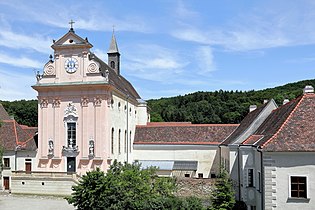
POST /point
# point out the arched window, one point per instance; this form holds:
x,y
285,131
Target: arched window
x,y
130,142
112,64
112,141
125,142
119,143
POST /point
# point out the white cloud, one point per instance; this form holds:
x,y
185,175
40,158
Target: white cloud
x,y
16,86
100,54
267,26
20,61
96,16
35,42
205,59
155,63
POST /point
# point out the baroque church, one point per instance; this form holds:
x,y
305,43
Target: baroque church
x,y
90,115
87,111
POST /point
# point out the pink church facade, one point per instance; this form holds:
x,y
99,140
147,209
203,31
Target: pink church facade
x,y
87,112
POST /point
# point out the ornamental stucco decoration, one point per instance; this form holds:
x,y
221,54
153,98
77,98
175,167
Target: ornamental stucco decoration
x,y
93,68
49,70
56,103
84,101
97,101
44,103
71,110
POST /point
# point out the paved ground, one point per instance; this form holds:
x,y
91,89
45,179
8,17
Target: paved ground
x,y
26,202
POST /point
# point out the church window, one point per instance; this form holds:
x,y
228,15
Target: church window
x,y
112,141
119,143
125,142
298,187
71,130
112,64
130,141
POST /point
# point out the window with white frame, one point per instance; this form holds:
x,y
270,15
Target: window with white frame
x,y
250,177
298,187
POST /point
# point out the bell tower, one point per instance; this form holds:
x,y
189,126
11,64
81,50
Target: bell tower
x,y
114,55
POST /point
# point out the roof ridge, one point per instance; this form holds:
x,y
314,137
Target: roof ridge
x,y
15,132
285,122
186,125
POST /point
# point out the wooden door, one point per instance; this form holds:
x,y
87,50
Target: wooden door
x,y
6,183
28,167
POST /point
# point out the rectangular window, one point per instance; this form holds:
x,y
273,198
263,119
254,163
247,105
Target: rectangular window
x,y
187,175
298,187
6,162
71,130
200,175
250,177
259,181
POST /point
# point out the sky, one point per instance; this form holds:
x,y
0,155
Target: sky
x,y
167,47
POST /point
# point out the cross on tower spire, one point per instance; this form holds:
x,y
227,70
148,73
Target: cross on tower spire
x,y
71,25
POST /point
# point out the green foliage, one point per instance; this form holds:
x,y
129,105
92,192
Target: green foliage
x,y
200,107
223,196
219,106
24,111
126,186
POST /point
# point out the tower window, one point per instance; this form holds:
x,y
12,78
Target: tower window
x,y
112,64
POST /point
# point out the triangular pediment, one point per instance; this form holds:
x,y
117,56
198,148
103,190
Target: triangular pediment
x,y
71,39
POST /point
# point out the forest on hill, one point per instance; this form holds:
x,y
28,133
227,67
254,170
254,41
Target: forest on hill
x,y
199,107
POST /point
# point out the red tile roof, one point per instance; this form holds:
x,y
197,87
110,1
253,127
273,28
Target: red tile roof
x,y
12,134
3,114
183,133
246,122
291,127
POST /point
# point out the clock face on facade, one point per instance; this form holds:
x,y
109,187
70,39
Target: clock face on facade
x,y
71,65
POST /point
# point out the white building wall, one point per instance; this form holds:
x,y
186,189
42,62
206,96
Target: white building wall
x,y
120,111
207,156
284,165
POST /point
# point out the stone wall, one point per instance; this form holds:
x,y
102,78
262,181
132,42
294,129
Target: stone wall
x,y
195,187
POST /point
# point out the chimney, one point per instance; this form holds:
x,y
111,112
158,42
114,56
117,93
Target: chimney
x,y
265,101
308,89
285,101
252,108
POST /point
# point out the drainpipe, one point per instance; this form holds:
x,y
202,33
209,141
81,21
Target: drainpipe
x,y
262,174
239,173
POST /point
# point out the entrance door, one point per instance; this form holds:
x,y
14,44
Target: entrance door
x,y
6,183
28,167
70,164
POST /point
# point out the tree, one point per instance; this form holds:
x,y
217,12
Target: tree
x,y
223,196
124,186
